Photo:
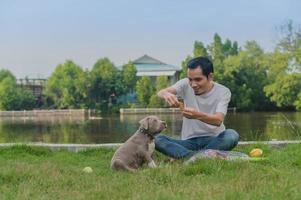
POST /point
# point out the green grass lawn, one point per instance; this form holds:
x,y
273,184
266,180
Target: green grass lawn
x,y
38,173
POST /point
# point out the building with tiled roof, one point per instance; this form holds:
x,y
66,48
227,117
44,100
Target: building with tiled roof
x,y
148,66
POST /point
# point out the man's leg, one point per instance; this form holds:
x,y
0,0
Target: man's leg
x,y
173,147
226,140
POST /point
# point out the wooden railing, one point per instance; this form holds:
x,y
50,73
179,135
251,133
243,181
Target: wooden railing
x,y
46,113
148,110
156,110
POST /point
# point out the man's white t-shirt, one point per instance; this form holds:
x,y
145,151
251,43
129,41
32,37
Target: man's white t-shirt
x,y
216,100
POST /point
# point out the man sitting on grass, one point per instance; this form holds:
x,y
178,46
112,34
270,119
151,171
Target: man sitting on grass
x,y
205,106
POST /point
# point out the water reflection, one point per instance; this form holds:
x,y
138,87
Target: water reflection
x,y
117,128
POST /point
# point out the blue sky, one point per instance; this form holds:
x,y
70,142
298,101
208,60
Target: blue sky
x,y
36,35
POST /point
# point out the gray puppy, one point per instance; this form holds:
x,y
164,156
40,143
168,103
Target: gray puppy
x,y
138,149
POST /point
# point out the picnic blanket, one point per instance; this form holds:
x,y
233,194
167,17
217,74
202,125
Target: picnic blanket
x,y
219,154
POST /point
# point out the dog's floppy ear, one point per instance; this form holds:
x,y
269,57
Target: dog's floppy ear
x,y
144,123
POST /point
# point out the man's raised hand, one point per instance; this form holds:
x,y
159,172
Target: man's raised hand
x,y
171,99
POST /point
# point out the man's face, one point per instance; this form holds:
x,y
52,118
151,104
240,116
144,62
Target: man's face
x,y
199,82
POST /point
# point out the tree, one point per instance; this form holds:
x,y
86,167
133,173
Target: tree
x,y
285,91
11,96
184,67
67,86
285,69
291,40
229,48
129,76
144,90
217,49
245,75
5,74
106,83
297,102
199,49
161,82
234,49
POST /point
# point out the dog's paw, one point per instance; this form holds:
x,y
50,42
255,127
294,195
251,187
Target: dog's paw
x,y
152,164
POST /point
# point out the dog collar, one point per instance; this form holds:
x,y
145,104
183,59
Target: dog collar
x,y
142,130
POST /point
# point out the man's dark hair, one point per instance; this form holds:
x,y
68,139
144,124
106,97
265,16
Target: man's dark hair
x,y
204,63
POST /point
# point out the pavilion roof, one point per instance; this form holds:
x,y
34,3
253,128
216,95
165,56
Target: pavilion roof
x,y
148,66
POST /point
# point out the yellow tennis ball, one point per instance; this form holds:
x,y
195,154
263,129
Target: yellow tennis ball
x,y
256,152
87,170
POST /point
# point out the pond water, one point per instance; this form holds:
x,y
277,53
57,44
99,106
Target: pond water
x,y
117,128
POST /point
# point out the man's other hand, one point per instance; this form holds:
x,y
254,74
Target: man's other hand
x,y
190,113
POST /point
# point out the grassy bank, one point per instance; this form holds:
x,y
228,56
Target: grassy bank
x,y
38,173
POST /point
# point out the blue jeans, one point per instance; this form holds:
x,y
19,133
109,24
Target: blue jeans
x,y
174,148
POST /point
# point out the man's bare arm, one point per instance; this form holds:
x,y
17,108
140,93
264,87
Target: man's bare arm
x,y
169,95
213,119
